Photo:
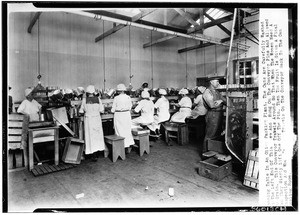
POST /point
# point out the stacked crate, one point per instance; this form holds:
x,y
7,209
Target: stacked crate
x,y
252,170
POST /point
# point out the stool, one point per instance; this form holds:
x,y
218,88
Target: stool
x,y
117,146
181,130
142,136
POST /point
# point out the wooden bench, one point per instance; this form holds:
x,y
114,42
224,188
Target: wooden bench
x,y
142,136
176,130
117,146
15,126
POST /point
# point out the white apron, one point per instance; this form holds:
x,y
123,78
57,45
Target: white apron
x,y
184,111
93,132
163,114
122,125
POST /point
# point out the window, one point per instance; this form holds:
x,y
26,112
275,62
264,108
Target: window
x,y
246,72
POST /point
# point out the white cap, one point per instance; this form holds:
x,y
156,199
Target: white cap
x,y
201,89
145,94
28,91
162,91
68,91
90,89
121,87
183,91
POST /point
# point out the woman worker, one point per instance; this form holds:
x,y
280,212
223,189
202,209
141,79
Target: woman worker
x,y
185,105
121,108
30,107
92,106
197,117
146,107
162,105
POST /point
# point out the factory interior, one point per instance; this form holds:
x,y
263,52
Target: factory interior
x,y
81,67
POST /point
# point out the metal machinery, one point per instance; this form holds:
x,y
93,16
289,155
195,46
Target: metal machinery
x,y
239,124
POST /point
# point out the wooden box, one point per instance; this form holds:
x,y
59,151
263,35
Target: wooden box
x,y
251,178
215,169
73,151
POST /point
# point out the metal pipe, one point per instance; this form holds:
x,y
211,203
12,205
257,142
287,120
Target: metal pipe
x,y
120,21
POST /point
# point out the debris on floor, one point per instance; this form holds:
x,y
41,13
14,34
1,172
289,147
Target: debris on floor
x,y
81,195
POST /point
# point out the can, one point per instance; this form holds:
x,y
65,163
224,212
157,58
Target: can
x,y
171,191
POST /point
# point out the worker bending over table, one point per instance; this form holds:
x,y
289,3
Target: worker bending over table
x,y
146,107
162,105
121,108
185,105
92,106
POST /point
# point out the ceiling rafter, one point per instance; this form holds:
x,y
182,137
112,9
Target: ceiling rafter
x,y
186,16
219,25
209,44
120,26
212,23
33,21
192,30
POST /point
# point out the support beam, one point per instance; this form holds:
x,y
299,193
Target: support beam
x,y
210,24
120,26
219,25
187,17
109,32
33,21
142,14
192,30
103,13
210,44
143,26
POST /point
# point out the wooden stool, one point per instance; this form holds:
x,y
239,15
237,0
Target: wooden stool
x,y
117,146
181,130
143,137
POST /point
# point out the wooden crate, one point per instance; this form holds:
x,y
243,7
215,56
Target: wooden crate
x,y
252,170
215,169
73,151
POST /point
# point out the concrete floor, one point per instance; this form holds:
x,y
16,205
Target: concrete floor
x,y
134,182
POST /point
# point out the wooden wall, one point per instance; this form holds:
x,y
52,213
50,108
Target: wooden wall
x,y
69,57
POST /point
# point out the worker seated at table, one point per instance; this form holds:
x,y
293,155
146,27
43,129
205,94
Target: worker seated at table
x,y
185,105
197,117
121,108
146,107
30,106
92,106
162,106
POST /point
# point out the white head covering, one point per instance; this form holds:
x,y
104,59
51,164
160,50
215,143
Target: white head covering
x,y
201,89
80,90
90,89
121,87
68,91
183,91
145,94
162,92
28,91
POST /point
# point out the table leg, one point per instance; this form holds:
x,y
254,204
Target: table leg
x,y
56,147
30,149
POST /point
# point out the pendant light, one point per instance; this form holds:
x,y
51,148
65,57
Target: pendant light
x,y
39,87
129,48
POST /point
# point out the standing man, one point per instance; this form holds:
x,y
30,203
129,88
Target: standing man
x,y
213,101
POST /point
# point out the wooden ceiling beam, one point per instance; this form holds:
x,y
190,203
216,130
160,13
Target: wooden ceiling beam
x,y
209,44
186,16
120,26
199,28
210,24
219,25
33,21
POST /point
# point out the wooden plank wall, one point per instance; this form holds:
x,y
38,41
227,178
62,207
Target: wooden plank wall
x,y
69,57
